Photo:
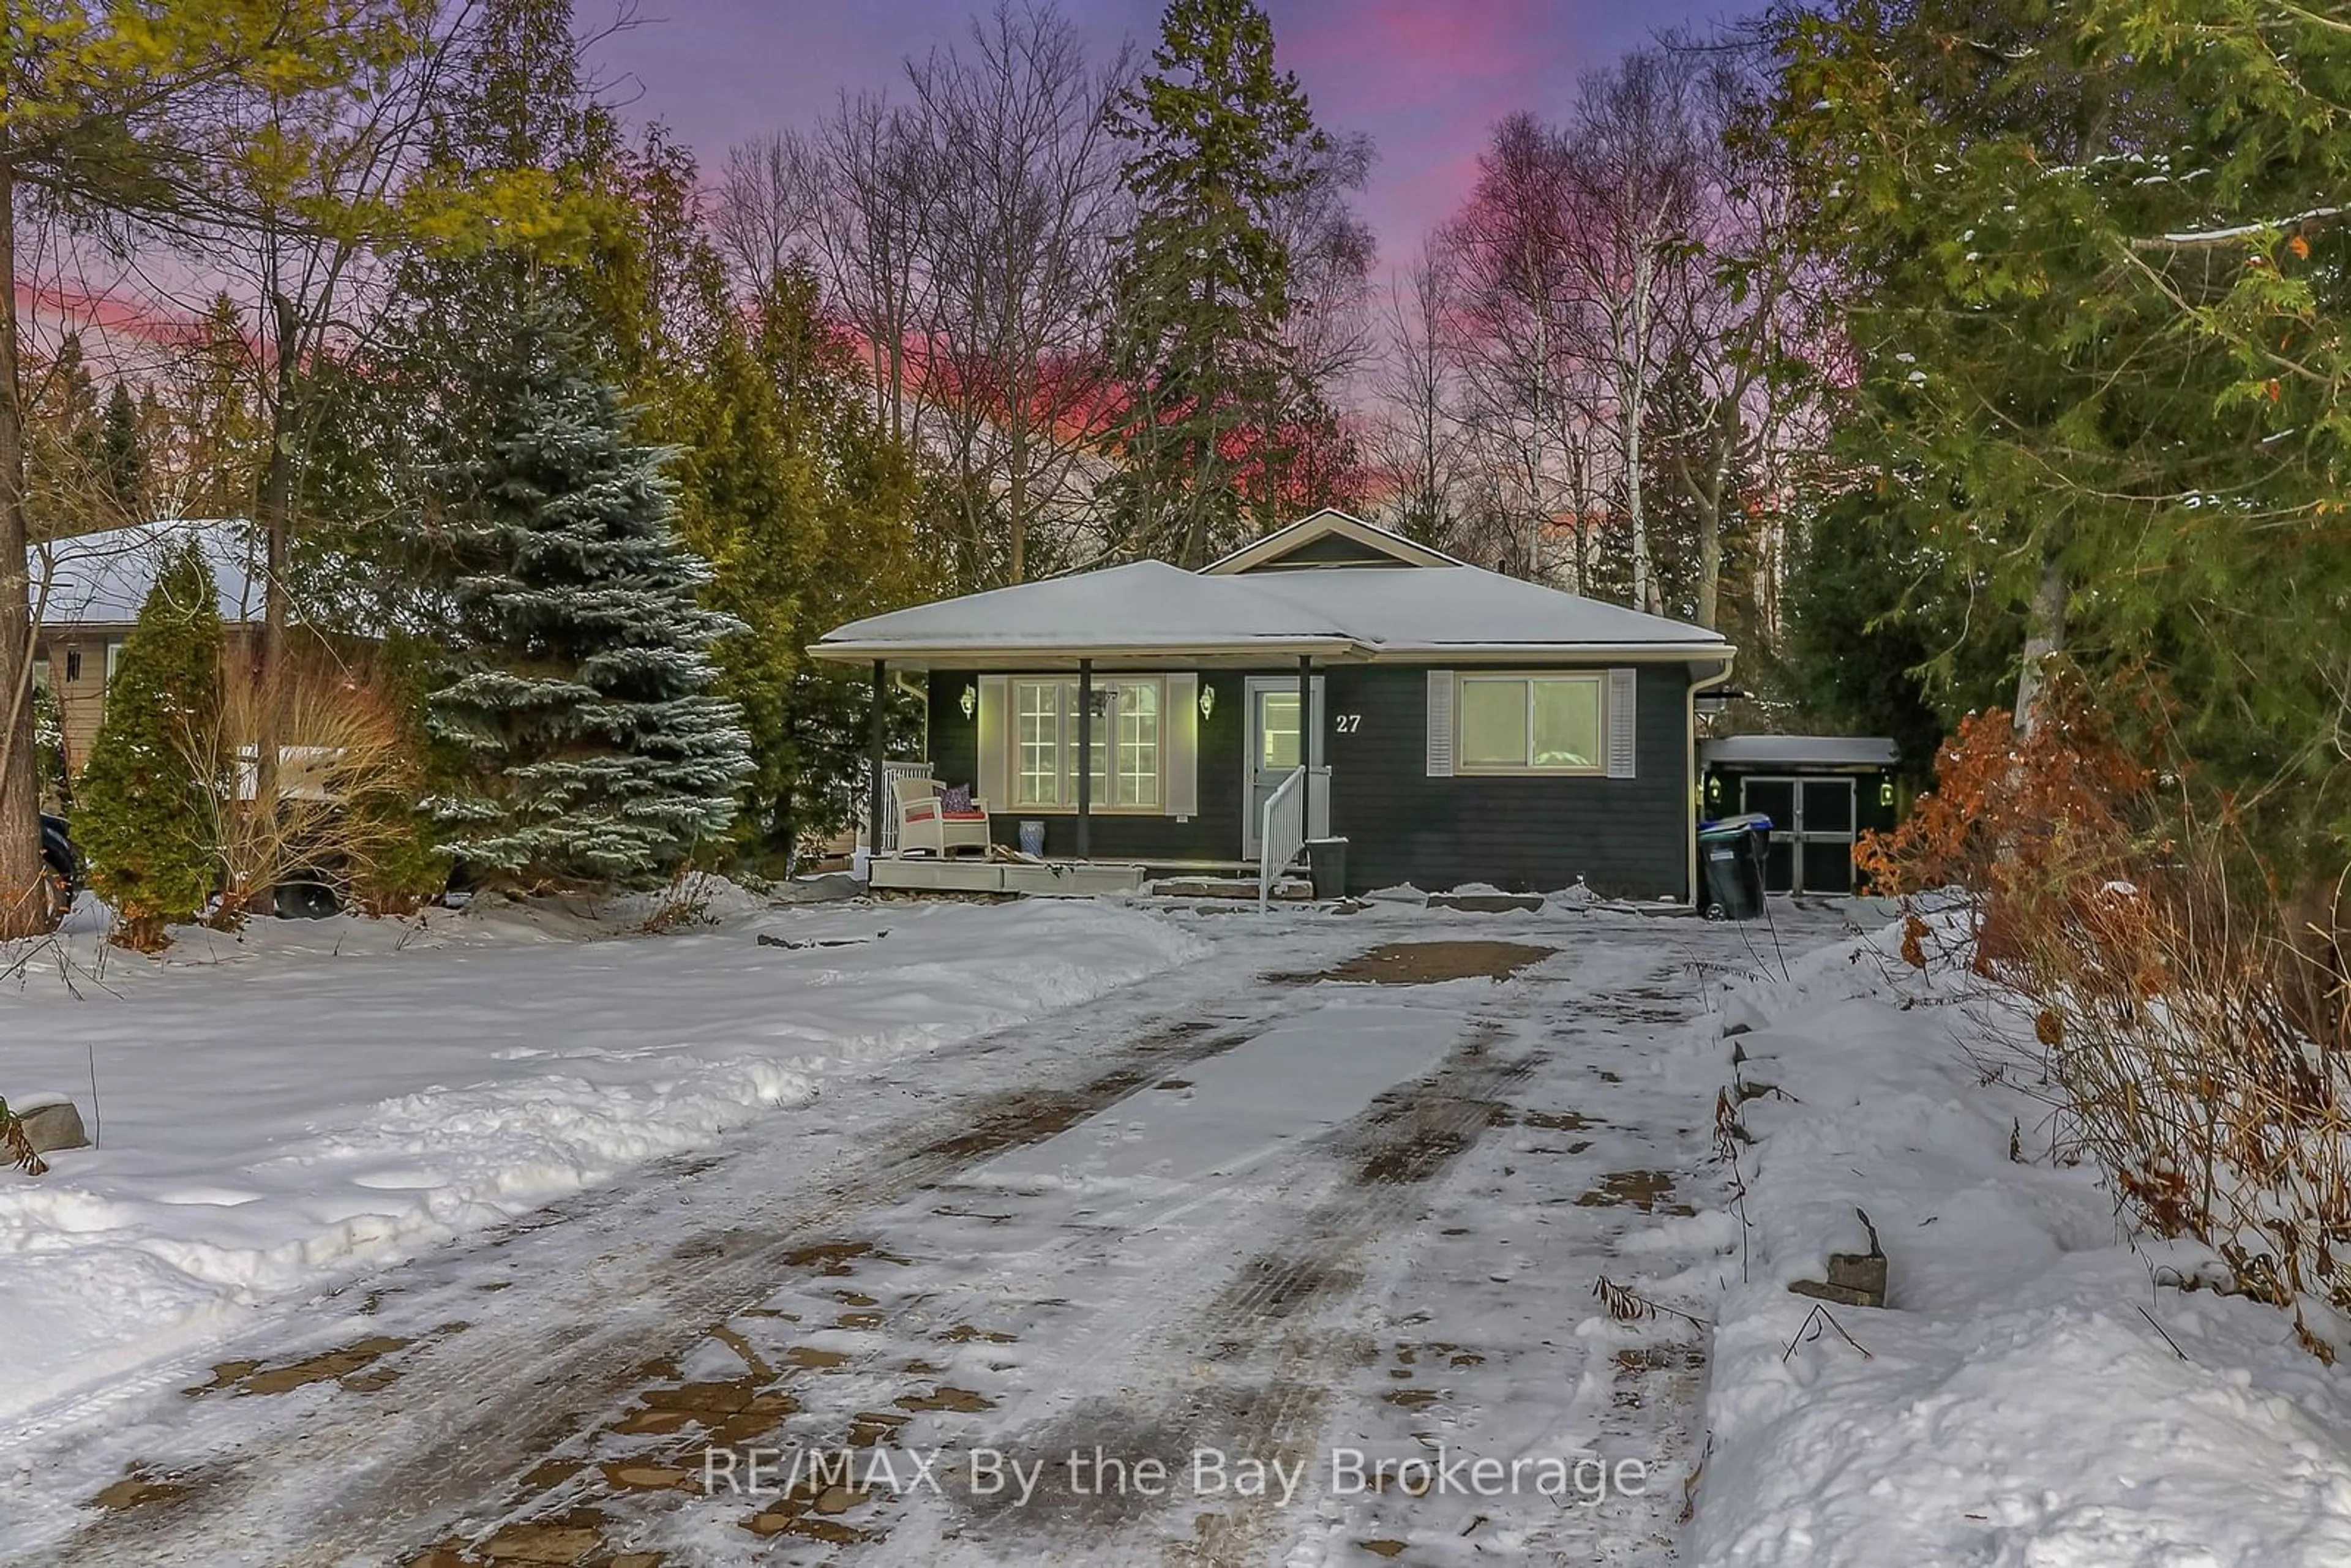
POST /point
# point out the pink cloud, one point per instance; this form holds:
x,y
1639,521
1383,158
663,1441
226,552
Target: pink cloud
x,y
1405,54
1428,79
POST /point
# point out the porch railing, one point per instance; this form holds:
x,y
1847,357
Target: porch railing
x,y
1282,835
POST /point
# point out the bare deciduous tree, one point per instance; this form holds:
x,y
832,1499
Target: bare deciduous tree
x,y
1027,199
1620,289
872,227
1513,328
964,236
765,210
1418,440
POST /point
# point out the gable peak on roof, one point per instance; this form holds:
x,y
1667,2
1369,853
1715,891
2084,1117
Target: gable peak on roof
x,y
1325,538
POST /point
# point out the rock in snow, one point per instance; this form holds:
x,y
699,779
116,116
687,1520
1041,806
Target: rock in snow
x,y
51,1125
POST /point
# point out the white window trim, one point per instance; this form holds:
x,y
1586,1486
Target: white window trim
x,y
1105,740
1596,679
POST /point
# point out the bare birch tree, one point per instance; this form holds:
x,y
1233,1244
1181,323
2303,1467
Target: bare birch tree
x,y
1512,327
1637,156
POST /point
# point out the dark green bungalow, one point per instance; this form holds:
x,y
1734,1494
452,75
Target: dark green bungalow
x,y
1460,725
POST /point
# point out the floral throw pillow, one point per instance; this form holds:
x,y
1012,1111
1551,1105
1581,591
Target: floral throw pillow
x,y
955,799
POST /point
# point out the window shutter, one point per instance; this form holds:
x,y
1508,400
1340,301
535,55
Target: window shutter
x,y
1440,724
996,741
1623,721
1179,718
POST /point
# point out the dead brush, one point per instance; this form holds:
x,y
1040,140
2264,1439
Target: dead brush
x,y
2177,1059
2193,1039
17,1147
1627,1305
686,900
347,771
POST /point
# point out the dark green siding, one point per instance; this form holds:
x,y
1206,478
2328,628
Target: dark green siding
x,y
1626,837
1330,549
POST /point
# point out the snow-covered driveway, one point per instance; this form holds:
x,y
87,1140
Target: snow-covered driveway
x,y
1330,1196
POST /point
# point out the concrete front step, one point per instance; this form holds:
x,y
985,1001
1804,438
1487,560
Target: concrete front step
x,y
1290,888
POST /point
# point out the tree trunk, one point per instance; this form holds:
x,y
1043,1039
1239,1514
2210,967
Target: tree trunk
x,y
24,905
1721,439
277,535
1018,497
2044,638
1710,566
1645,595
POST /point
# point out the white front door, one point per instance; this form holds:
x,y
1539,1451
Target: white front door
x,y
1273,753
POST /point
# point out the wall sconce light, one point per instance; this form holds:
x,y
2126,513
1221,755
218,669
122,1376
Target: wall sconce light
x,y
1886,791
1207,700
970,703
1714,789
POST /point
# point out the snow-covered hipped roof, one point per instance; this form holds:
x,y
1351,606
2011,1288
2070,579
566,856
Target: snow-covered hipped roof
x,y
102,579
1409,608
1147,603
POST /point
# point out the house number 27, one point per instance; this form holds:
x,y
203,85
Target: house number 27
x,y
1347,723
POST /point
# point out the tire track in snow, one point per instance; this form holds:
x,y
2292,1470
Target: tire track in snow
x,y
475,1408
1262,1358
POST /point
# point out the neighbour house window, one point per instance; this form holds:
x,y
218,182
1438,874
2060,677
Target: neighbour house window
x,y
1128,758
73,666
113,657
1528,724
41,674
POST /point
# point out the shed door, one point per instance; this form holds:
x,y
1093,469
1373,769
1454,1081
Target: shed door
x,y
1776,798
1812,833
1825,817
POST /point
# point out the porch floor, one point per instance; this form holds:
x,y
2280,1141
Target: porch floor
x,y
1065,879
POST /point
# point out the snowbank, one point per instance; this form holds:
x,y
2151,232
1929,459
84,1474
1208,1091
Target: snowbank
x,y
2030,1399
281,1111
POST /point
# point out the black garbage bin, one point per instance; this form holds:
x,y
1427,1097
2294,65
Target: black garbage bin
x,y
1732,853
1326,865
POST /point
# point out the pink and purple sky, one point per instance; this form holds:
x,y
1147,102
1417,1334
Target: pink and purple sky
x,y
1425,78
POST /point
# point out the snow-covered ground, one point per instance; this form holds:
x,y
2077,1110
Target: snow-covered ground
x,y
1261,1205
278,1111
505,1242
2032,1396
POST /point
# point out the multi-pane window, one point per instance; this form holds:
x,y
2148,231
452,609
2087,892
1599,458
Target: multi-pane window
x,y
1037,755
1525,724
1138,744
1128,755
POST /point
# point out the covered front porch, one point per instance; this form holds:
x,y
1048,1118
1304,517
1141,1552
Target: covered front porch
x,y
1092,774
1331,681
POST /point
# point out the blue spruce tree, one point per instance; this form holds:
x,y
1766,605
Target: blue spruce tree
x,y
581,680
